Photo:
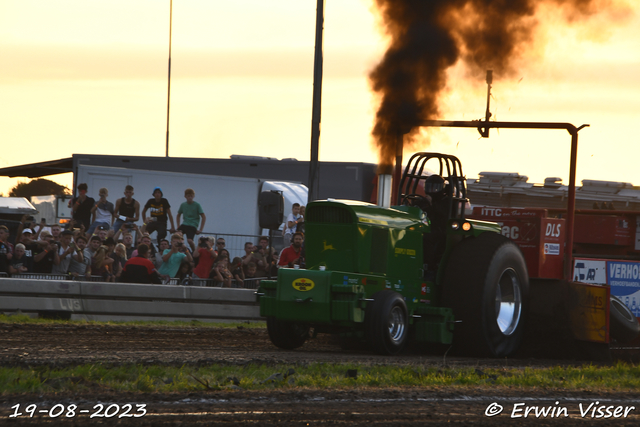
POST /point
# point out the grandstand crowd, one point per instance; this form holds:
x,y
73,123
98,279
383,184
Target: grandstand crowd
x,y
106,242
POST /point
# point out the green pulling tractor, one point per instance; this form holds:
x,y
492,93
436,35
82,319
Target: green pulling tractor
x,y
418,271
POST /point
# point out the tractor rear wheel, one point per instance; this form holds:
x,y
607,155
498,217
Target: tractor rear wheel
x,y
386,322
623,324
487,286
286,335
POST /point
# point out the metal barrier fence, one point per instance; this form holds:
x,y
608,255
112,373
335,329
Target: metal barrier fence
x,y
51,276
69,299
246,284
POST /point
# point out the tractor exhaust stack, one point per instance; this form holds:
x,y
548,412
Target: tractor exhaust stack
x,y
385,181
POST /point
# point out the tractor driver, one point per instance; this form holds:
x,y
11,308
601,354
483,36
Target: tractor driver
x,y
435,189
436,205
433,200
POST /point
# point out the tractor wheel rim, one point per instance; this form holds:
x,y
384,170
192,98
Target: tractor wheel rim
x,y
396,324
508,305
623,310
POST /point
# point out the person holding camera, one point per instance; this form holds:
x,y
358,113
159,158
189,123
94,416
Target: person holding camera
x,y
206,257
102,212
27,222
81,207
44,253
265,259
62,258
173,257
220,272
79,262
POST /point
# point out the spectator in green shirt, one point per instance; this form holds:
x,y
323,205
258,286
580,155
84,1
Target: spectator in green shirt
x,y
173,257
192,212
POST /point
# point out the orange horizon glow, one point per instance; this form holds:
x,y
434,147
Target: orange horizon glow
x,y
91,77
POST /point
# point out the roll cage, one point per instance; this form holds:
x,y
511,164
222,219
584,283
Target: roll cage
x,y
449,168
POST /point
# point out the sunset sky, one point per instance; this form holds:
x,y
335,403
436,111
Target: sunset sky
x,y
81,76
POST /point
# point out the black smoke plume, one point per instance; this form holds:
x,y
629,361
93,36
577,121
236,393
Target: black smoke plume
x,y
429,36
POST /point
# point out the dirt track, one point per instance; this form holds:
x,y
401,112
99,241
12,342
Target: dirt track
x,y
64,345
61,345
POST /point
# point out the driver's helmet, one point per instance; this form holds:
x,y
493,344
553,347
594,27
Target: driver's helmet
x,y
434,185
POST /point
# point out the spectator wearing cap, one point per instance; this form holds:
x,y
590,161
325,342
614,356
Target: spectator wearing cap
x,y
102,212
159,213
27,221
29,244
81,207
192,212
63,254
127,210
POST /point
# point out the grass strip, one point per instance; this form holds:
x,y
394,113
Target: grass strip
x,y
24,319
166,379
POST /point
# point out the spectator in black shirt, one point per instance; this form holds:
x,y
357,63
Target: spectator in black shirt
x,y
159,211
44,254
127,210
81,207
20,263
29,245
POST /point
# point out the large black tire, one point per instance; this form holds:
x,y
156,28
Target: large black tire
x,y
386,322
487,286
623,324
286,335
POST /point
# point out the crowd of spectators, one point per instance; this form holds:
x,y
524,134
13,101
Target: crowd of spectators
x,y
103,240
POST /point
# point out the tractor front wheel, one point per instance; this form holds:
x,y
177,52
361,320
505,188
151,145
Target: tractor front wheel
x,y
487,286
287,335
386,322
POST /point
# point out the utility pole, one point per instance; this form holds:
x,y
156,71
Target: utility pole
x,y
166,152
317,103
